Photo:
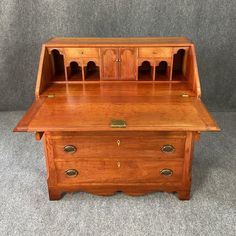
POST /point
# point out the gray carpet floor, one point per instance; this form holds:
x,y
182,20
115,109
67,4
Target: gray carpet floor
x,y
26,210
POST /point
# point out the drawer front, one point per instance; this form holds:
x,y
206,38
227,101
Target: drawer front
x,y
155,52
118,171
81,52
76,147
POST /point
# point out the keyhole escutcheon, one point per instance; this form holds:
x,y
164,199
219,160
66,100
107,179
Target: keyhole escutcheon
x,y
118,142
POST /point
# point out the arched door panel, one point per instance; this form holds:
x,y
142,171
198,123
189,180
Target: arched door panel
x,y
109,63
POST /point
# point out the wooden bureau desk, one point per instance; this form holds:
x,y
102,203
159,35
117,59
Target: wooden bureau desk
x,y
118,114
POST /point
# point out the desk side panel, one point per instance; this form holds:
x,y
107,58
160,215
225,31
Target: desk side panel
x,y
45,73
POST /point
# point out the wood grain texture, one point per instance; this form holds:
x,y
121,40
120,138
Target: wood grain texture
x,y
114,171
121,89
45,73
81,52
109,58
141,41
120,145
134,175
187,167
77,114
119,58
127,63
164,52
23,124
105,189
150,83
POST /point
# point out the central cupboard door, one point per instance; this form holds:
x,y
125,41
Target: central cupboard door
x,y
127,63
110,58
118,63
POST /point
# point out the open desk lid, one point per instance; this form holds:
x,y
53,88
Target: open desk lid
x,y
96,114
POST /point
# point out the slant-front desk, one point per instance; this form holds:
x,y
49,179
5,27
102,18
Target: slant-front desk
x,y
118,114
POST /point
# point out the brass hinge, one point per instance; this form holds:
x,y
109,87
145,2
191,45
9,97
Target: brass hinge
x,y
185,95
51,95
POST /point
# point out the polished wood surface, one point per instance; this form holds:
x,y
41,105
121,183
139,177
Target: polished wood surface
x,y
118,59
163,52
109,58
143,41
141,113
119,171
149,84
134,175
122,145
127,63
121,89
81,52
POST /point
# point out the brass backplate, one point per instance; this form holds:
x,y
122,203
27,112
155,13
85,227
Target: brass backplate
x,y
118,124
51,95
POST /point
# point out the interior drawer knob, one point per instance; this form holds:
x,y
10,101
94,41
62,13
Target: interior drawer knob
x,y
167,148
118,164
70,149
166,172
71,173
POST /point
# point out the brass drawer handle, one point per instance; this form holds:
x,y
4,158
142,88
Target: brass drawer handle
x,y
71,173
167,148
166,172
70,149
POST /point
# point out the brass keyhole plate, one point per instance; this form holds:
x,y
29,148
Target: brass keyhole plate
x,y
118,143
118,124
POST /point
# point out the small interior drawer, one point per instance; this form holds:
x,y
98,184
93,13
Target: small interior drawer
x,y
118,171
155,52
119,145
81,52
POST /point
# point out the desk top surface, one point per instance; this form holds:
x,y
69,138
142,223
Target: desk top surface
x,y
93,111
147,41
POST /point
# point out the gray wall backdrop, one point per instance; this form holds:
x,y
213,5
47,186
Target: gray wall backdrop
x,y
26,24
